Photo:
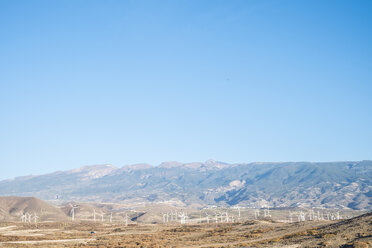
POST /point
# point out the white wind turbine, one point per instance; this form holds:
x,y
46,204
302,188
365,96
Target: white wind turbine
x,y
173,215
35,218
267,212
207,217
28,217
186,217
238,212
94,215
303,216
256,213
23,218
183,218
126,219
164,218
73,207
110,217
102,216
313,213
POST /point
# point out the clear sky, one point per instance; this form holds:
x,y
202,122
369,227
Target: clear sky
x,y
123,82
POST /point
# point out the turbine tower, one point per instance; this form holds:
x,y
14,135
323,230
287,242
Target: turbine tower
x,y
256,213
23,218
164,218
73,207
126,219
35,218
183,218
28,217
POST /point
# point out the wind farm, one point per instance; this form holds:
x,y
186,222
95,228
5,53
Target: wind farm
x,y
163,225
185,124
217,213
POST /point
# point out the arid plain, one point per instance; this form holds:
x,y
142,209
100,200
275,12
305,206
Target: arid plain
x,y
279,228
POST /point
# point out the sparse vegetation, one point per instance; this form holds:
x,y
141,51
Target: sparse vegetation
x,y
351,233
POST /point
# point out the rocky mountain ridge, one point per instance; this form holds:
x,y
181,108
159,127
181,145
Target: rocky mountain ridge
x,y
285,184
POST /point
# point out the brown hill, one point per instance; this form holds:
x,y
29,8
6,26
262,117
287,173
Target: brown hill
x,y
13,207
355,232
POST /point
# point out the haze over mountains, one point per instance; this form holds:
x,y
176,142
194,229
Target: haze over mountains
x,y
289,184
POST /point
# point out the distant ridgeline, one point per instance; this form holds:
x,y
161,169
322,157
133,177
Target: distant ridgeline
x,y
292,184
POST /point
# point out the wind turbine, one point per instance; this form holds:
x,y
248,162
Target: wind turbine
x,y
303,216
35,218
94,215
126,219
102,216
310,214
28,217
186,217
207,217
23,218
256,213
164,217
183,218
73,207
110,217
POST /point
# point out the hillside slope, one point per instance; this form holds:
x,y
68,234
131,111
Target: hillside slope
x,y
296,184
13,207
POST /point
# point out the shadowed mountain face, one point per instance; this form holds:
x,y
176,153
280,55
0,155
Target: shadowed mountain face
x,y
297,184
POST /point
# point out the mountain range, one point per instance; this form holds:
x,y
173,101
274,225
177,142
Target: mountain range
x,y
340,185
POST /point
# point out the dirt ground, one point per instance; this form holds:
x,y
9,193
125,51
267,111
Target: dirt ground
x,y
355,232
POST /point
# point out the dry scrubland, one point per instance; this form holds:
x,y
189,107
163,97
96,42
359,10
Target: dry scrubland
x,y
354,232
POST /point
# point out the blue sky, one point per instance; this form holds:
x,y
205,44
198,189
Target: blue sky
x,y
123,82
